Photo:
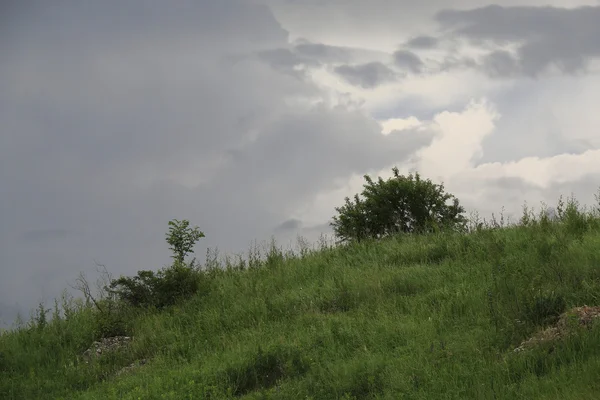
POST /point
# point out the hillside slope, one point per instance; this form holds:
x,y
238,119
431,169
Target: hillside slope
x,y
409,317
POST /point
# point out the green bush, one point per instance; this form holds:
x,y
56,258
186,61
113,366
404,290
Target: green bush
x,y
115,322
402,204
161,289
169,285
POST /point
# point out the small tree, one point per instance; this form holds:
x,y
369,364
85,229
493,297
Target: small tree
x,y
401,204
182,239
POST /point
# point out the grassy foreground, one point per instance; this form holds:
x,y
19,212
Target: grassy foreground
x,y
408,317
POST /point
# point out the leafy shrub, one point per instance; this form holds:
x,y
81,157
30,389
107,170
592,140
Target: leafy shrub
x,y
576,221
168,285
112,323
161,289
404,204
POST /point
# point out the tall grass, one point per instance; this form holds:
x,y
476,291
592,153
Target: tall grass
x,y
407,317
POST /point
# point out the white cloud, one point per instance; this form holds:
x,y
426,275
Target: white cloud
x,y
458,143
399,124
451,158
542,172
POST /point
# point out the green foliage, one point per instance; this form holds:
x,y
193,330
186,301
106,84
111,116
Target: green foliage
x,y
182,238
401,204
115,321
169,285
161,289
40,320
544,308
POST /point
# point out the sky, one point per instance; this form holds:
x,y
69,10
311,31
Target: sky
x,y
254,119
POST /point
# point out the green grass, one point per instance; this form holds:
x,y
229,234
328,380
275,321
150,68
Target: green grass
x,y
407,317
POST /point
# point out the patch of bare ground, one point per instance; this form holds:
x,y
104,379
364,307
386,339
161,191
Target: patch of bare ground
x,y
567,322
111,344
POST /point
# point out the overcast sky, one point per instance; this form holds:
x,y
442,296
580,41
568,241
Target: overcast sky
x,y
255,118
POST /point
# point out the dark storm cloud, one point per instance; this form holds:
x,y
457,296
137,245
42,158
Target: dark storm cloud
x,y
422,42
368,76
303,55
546,36
290,224
500,64
116,121
323,52
408,60
286,61
458,63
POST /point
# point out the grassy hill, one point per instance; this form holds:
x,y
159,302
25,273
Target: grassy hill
x,y
408,317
